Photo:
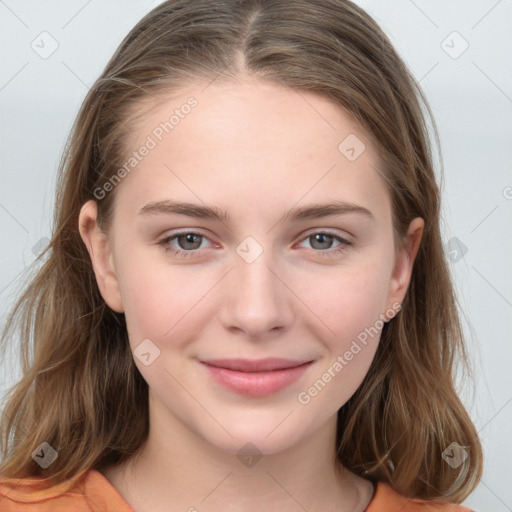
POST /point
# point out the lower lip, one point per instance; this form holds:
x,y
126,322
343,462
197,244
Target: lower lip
x,y
256,384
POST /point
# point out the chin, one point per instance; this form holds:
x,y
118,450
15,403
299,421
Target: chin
x,y
263,438
254,445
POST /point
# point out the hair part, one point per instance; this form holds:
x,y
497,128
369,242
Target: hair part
x,y
81,391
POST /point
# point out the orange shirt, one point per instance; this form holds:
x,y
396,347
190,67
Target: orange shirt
x,y
94,493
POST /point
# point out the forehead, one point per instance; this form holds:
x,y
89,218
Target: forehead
x,y
238,143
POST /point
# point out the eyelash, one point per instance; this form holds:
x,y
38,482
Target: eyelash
x,y
165,243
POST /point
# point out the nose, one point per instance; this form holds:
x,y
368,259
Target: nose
x,y
256,300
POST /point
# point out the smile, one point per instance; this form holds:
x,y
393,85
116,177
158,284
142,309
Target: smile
x,y
255,383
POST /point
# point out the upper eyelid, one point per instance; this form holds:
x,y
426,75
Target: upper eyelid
x,y
327,231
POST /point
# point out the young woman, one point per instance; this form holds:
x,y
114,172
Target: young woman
x,y
245,303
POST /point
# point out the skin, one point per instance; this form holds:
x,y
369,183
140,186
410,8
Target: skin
x,y
290,302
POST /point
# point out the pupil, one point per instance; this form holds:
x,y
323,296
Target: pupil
x,y
321,237
190,238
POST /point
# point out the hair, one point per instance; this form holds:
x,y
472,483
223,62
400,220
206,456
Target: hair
x,y
80,390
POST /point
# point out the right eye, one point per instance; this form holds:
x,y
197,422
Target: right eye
x,y
188,242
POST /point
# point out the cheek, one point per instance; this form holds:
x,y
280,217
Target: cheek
x,y
348,300
157,297
351,306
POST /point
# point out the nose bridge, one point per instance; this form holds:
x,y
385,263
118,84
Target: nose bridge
x,y
257,300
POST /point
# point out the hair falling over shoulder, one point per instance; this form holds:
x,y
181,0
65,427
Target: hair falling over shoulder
x,y
80,390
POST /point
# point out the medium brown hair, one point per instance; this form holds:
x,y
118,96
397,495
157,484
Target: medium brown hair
x,y
80,390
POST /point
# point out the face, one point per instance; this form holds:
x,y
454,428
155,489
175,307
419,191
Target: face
x,y
252,268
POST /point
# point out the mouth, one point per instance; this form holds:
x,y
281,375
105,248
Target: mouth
x,y
255,378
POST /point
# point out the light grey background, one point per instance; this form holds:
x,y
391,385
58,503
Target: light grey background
x,y
469,91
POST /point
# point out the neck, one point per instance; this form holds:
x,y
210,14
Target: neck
x,y
176,466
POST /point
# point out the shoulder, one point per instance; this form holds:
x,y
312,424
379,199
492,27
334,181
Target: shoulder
x,y
386,499
88,492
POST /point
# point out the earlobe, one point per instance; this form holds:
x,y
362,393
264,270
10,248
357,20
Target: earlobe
x,y
98,246
404,261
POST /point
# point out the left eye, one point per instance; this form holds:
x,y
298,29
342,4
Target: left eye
x,y
189,242
321,239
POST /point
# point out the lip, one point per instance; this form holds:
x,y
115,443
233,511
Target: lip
x,y
255,378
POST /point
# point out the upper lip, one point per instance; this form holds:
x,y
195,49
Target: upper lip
x,y
255,365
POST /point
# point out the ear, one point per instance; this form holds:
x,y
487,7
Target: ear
x,y
404,260
98,246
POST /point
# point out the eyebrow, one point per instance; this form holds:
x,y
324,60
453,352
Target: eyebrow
x,y
311,211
